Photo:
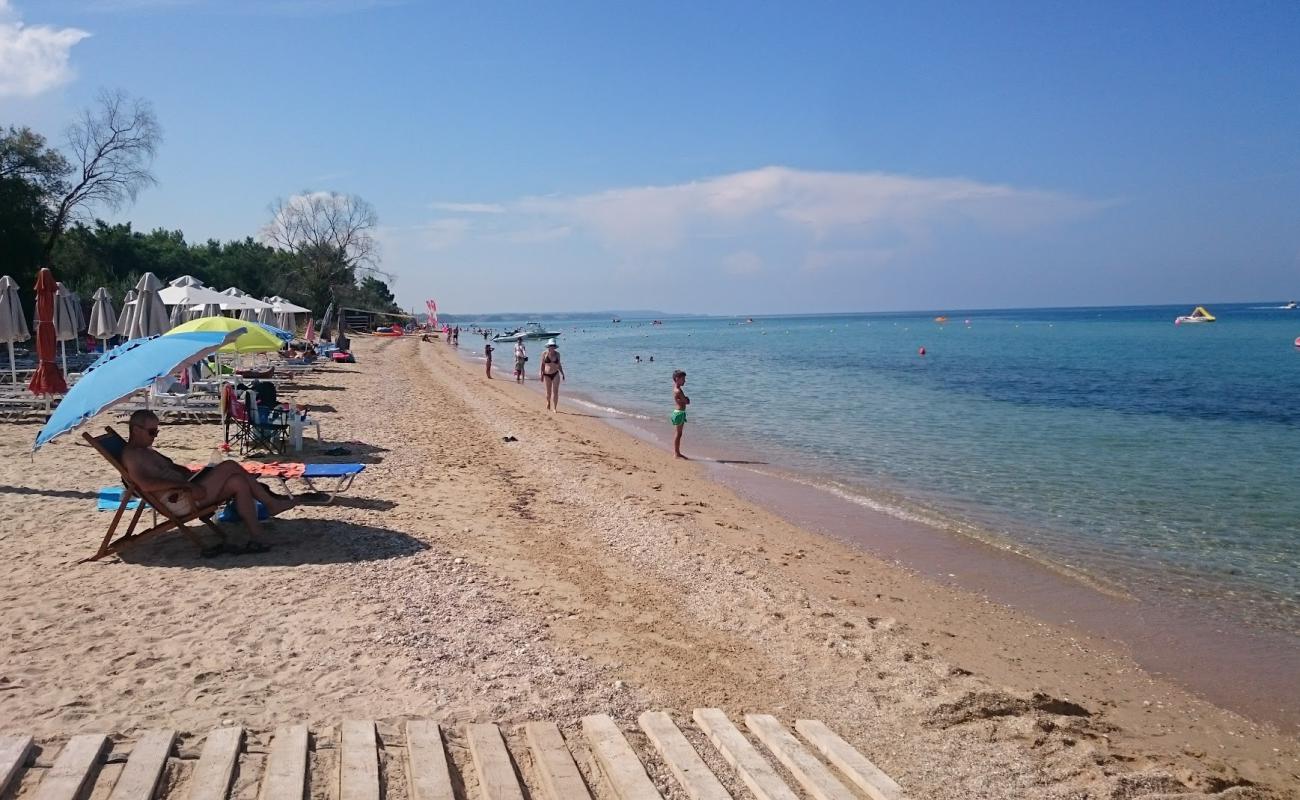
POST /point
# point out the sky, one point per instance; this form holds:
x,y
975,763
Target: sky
x,y
731,158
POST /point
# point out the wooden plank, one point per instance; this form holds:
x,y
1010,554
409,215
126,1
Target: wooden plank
x,y
216,767
74,769
426,768
617,760
561,779
686,765
853,764
286,764
753,769
496,775
144,767
13,755
815,776
359,763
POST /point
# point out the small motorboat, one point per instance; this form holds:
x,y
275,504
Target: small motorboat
x,y
1198,315
1291,306
531,330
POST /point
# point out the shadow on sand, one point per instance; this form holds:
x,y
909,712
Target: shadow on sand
x,y
74,494
327,452
294,543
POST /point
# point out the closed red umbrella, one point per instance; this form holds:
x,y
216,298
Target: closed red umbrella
x,y
310,334
48,378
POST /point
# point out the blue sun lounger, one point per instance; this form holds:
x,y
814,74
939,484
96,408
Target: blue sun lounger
x,y
317,477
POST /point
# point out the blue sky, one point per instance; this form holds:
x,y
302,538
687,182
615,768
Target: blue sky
x,y
714,157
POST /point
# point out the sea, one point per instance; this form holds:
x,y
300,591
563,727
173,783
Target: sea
x,y
1152,460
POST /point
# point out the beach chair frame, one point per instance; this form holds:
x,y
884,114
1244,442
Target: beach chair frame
x,y
170,522
250,435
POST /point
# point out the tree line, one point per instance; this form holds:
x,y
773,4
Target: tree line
x,y
316,248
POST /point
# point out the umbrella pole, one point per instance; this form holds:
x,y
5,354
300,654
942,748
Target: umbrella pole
x,y
13,371
63,352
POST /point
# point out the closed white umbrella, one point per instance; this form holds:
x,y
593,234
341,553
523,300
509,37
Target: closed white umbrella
x,y
65,321
150,317
265,315
77,306
180,313
13,325
128,311
103,322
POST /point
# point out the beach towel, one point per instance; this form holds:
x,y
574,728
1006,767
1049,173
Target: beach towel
x,y
110,497
272,469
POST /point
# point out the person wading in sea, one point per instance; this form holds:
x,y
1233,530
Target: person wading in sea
x,y
552,374
521,358
678,417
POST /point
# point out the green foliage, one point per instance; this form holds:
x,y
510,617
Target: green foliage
x,y
372,294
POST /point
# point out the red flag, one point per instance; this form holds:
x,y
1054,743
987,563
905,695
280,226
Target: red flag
x,y
433,312
48,378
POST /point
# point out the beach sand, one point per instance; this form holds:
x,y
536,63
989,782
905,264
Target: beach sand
x,y
576,570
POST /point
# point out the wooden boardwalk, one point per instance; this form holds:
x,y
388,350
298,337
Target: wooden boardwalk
x,y
422,760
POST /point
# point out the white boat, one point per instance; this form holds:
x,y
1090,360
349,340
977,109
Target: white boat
x,y
1291,306
531,330
1199,315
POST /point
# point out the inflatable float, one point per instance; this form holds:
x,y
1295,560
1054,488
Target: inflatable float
x,y
1199,315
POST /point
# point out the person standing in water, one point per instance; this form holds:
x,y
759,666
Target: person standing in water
x,y
521,358
487,351
552,373
678,417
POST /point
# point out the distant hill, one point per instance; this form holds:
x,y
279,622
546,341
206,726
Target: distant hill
x,y
522,316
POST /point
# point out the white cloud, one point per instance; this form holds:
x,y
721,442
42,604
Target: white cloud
x,y
33,58
815,205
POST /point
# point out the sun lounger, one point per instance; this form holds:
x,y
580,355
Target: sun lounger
x,y
110,446
328,481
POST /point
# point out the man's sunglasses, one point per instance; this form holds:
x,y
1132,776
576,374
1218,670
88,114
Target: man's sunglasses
x,y
151,431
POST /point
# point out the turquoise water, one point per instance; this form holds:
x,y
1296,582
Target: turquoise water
x,y
1159,459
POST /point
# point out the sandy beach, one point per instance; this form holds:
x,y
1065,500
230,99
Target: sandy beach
x,y
574,570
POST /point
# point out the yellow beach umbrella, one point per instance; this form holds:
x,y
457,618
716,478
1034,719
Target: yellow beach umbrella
x,y
255,338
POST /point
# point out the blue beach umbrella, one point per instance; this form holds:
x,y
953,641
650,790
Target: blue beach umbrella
x,y
279,333
125,370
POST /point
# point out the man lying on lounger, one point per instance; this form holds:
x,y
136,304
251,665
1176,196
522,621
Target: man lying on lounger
x,y
158,473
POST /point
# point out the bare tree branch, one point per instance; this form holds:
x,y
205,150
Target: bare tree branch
x,y
113,145
331,233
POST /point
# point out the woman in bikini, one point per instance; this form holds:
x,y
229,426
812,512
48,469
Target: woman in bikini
x,y
552,374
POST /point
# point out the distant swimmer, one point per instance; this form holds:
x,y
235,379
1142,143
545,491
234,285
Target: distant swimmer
x,y
678,417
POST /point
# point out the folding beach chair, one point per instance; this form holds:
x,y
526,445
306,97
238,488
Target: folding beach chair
x,y
250,433
110,445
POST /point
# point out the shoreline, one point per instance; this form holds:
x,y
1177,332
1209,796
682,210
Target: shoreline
x,y
1203,656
